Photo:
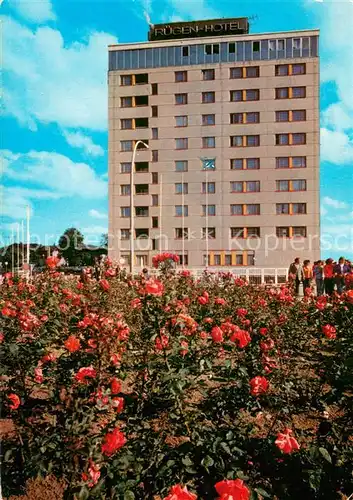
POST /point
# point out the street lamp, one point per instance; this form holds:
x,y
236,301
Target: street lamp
x,y
132,229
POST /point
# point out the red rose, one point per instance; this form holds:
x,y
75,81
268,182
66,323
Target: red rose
x,y
154,287
242,312
267,345
104,284
38,375
263,331
86,372
115,386
161,342
219,301
72,343
329,331
113,441
48,357
15,401
202,300
286,443
242,337
93,474
232,490
179,493
258,385
119,404
52,262
217,334
135,303
2,336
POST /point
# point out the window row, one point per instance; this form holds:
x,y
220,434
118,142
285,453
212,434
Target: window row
x,y
230,259
210,187
209,73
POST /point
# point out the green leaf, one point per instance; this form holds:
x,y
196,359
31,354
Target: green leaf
x,y
187,462
229,435
207,461
129,495
262,492
7,455
325,454
226,448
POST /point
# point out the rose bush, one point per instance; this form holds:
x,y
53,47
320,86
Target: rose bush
x,y
134,388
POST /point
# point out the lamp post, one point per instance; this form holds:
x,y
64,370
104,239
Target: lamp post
x,y
132,229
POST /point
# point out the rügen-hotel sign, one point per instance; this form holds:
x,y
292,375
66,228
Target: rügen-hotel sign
x,y
195,29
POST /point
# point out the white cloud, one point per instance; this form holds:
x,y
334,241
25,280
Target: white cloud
x,y
55,172
81,141
36,11
97,215
323,211
336,147
330,202
95,230
50,81
192,9
337,117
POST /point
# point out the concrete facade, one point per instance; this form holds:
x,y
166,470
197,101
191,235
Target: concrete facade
x,y
266,250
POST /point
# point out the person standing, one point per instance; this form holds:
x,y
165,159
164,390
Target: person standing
x,y
307,275
295,274
340,270
329,283
318,272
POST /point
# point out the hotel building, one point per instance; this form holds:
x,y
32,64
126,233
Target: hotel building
x,y
231,120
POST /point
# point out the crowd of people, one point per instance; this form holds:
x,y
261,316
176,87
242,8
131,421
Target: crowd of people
x,y
327,276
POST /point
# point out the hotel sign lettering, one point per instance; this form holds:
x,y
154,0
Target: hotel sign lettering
x,y
216,27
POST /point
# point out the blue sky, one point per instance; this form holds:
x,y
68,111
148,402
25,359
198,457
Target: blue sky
x,y
54,132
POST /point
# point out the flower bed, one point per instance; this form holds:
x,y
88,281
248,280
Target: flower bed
x,y
176,388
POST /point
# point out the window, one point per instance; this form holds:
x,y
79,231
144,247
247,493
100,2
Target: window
x,y
252,72
236,118
253,117
209,187
155,200
282,208
237,232
154,177
236,164
236,209
125,211
298,92
155,133
141,100
212,49
216,259
140,145
154,88
181,121
256,46
236,141
252,140
236,95
282,70
299,185
235,73
236,187
299,208
125,189
282,139
208,97
141,211
296,43
208,142
282,116
282,185
282,232
208,210
141,166
280,44
126,145
208,74
141,78
252,186
181,166
141,188
298,115
252,209
282,162
181,233
239,259
252,163
126,80
125,168
126,102
179,209
298,69
298,139
142,233
228,259
253,232
181,143
185,51
208,233
183,260
154,222
155,155
299,231
294,185
126,124
291,162
208,119
181,188
181,76
124,234
282,93
272,45
299,161
181,99
252,95
141,123
231,48
154,111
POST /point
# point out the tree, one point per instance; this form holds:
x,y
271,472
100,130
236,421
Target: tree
x,y
70,246
104,240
